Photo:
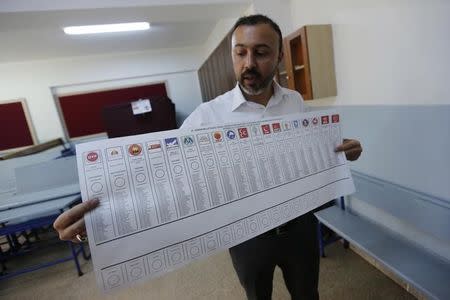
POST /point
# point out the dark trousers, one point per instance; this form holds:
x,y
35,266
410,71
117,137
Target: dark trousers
x,y
295,251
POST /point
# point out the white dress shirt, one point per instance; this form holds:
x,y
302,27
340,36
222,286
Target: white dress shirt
x,y
232,107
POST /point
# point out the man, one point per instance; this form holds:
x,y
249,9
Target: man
x,y
256,53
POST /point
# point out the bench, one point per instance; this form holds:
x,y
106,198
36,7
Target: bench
x,y
424,270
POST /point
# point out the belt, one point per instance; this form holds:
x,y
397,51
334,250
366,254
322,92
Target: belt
x,y
280,230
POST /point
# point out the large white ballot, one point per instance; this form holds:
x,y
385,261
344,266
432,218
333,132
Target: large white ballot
x,y
171,197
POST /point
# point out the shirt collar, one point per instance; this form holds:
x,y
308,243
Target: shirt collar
x,y
239,99
278,95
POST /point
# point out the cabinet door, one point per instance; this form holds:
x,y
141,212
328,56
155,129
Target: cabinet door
x,y
297,63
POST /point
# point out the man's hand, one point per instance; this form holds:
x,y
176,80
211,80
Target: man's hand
x,y
71,222
352,149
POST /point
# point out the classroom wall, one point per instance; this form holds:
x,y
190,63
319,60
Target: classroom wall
x,y
392,54
279,11
33,80
386,52
219,31
395,54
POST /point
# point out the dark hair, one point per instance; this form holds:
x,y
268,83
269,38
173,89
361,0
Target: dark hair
x,y
260,19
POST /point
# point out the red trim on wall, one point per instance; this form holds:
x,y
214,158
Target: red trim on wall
x,y
82,113
14,130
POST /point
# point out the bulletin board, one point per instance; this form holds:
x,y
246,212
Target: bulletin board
x,y
81,113
16,127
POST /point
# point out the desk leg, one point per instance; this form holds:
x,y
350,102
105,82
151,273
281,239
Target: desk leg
x,y
2,259
75,258
83,251
346,244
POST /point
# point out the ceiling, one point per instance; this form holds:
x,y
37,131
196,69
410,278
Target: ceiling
x,y
29,31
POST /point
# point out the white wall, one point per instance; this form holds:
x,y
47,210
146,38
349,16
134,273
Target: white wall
x,y
279,11
217,34
391,53
219,31
386,52
34,80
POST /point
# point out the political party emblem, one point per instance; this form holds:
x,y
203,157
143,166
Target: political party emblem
x,y
114,153
243,133
188,140
335,118
217,136
315,120
276,127
203,138
153,146
92,156
295,123
305,122
265,128
171,142
135,149
231,134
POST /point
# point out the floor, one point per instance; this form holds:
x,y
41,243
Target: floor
x,y
343,275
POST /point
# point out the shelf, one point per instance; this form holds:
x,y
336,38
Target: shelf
x,y
296,68
299,67
310,61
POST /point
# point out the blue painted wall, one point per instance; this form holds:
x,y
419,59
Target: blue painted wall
x,y
407,145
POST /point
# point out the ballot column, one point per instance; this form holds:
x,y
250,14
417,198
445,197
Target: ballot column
x,y
126,218
225,166
101,218
181,182
233,136
196,173
291,145
271,147
248,154
209,161
262,157
142,188
161,181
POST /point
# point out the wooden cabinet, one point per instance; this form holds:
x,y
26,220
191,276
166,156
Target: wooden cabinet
x,y
308,64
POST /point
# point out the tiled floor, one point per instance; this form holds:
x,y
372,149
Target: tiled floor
x,y
343,275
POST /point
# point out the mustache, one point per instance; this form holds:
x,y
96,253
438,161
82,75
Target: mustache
x,y
251,72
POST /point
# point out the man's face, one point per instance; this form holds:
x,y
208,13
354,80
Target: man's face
x,y
255,54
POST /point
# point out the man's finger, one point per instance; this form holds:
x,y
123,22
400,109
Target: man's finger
x,y
75,213
70,233
353,151
347,145
353,154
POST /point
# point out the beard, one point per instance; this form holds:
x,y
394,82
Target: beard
x,y
260,83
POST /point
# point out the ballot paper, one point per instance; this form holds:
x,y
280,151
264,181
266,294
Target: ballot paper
x,y
171,197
